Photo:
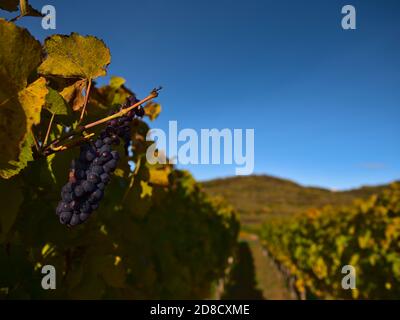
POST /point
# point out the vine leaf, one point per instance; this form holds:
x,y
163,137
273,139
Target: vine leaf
x,y
116,82
32,100
75,56
20,106
159,176
55,103
20,54
73,94
12,132
146,189
152,110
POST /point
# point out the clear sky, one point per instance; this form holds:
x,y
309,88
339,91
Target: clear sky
x,y
324,102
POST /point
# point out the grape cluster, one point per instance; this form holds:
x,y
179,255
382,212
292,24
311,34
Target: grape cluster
x,y
90,173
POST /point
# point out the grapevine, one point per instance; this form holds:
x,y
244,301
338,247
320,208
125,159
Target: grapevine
x,y
155,235
316,245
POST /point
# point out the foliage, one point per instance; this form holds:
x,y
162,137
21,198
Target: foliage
x,y
156,234
317,244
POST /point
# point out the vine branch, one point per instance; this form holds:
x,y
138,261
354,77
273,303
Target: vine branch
x,y
52,146
49,129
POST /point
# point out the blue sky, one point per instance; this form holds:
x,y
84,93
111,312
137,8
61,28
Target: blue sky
x,y
324,102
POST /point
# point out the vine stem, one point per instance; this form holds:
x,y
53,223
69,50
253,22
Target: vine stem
x,y
86,100
135,172
79,130
35,141
69,145
48,129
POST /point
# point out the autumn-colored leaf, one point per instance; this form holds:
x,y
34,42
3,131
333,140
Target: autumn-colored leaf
x,y
152,110
20,106
73,94
75,56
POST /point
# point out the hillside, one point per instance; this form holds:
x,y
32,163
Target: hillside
x,y
259,196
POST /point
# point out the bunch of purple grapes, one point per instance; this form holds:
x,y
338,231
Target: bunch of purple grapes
x,y
90,173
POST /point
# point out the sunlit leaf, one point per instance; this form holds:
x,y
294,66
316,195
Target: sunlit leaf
x,y
75,56
152,110
116,82
20,54
146,189
32,100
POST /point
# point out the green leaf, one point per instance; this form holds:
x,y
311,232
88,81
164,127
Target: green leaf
x,y
55,103
75,56
9,5
17,118
13,167
116,82
49,161
10,191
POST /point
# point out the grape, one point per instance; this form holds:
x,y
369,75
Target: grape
x,y
98,194
67,188
106,156
110,165
139,112
105,148
86,207
79,174
101,186
97,170
98,144
108,141
75,220
115,155
90,172
67,196
105,177
79,191
88,186
65,217
90,156
94,178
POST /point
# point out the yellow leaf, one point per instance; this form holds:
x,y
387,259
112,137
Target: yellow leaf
x,y
75,56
